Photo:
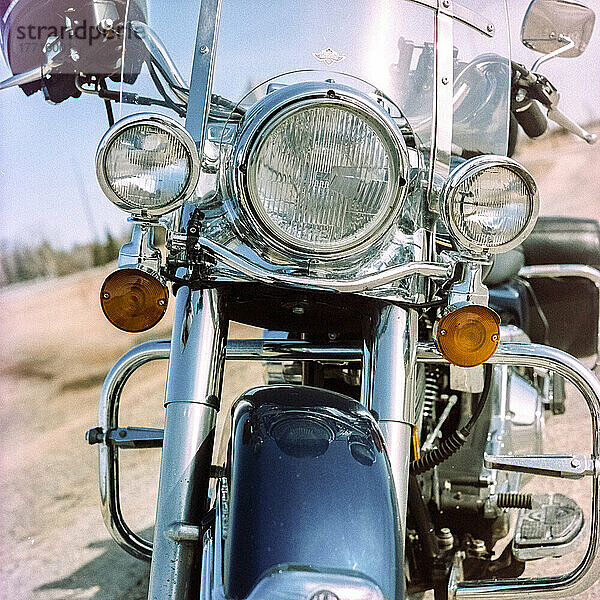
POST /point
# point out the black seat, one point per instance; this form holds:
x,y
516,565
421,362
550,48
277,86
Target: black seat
x,y
553,241
563,240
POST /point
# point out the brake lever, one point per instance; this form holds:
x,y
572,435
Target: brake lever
x,y
52,49
556,115
541,89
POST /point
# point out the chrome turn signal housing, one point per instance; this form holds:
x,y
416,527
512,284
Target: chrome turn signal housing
x,y
133,300
490,204
469,335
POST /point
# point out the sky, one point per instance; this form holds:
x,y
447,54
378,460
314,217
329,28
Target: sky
x,y
48,187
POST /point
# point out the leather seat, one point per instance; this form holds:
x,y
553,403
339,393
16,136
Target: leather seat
x,y
553,241
563,240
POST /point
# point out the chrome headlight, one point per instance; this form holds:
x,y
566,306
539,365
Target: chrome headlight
x,y
147,164
320,169
490,204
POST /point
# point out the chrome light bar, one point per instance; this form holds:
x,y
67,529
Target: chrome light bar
x,y
370,282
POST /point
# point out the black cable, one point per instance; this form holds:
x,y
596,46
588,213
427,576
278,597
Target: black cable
x,y
178,108
107,104
538,308
454,442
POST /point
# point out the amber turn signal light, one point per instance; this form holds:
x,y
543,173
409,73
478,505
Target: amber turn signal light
x,y
133,300
469,335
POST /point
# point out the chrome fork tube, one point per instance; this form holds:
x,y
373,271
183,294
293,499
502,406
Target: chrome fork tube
x,y
192,402
389,374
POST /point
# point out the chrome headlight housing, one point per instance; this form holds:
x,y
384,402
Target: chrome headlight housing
x,y
319,169
490,204
147,165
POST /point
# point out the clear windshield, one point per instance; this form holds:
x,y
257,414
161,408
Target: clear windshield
x,y
390,46
170,29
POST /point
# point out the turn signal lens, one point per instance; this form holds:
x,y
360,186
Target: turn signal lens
x,y
468,336
133,300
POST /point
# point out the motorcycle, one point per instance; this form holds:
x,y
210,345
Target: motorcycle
x,y
344,182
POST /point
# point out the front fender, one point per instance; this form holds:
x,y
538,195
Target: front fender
x,y
310,487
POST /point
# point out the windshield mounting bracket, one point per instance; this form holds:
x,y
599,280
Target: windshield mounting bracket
x,y
462,14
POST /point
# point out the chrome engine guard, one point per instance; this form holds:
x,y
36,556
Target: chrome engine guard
x,y
528,355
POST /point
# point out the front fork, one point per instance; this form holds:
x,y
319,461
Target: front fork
x,y
192,401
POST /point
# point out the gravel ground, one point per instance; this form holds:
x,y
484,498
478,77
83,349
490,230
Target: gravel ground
x,y
56,348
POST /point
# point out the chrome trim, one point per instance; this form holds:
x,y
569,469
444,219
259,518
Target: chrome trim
x,y
583,271
390,347
278,105
27,77
564,466
135,437
171,127
463,14
108,454
282,350
388,389
443,99
569,43
140,251
586,573
470,168
369,282
192,402
470,289
202,71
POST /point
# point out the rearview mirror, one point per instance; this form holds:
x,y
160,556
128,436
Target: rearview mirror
x,y
552,25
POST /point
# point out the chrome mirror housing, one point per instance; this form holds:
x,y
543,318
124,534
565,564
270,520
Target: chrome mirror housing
x,y
558,27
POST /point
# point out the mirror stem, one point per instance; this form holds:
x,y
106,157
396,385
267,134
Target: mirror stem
x,y
569,43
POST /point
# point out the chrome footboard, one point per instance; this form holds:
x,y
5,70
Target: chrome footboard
x,y
527,355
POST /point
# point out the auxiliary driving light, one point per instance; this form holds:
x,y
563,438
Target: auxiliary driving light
x,y
490,204
469,335
133,300
147,165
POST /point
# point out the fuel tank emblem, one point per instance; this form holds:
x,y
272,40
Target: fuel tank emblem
x,y
324,595
329,56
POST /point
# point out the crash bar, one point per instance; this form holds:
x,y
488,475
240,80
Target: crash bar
x,y
585,574
528,355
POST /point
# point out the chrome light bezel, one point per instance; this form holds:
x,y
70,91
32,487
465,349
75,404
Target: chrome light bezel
x,y
472,167
282,103
171,127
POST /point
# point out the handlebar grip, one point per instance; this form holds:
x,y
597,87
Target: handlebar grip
x,y
531,118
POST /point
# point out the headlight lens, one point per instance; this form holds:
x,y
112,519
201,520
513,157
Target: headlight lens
x,y
147,165
490,204
324,175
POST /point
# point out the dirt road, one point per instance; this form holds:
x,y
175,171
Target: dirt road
x,y
56,349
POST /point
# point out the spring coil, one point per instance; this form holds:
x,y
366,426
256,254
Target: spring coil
x,y
456,440
432,390
514,501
